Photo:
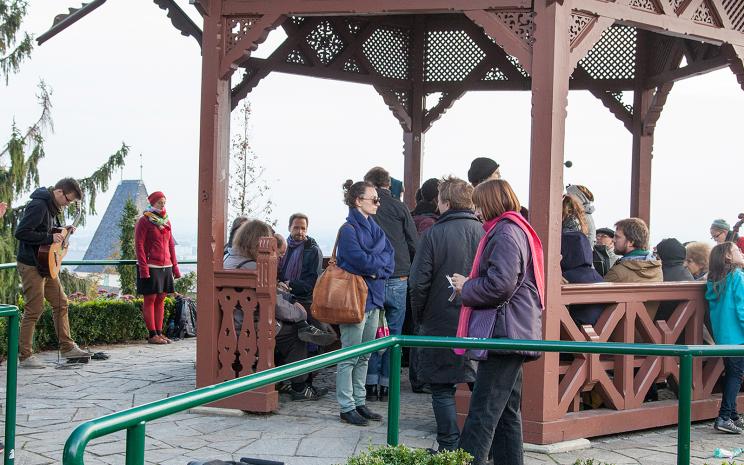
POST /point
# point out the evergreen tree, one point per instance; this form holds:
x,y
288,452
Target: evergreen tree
x,y
127,273
20,156
249,189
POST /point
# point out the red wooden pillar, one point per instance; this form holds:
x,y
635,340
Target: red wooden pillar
x,y
413,140
643,138
214,146
550,74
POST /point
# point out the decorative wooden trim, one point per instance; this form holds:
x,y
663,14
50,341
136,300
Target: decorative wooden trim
x,y
737,63
238,45
362,7
497,26
587,39
180,20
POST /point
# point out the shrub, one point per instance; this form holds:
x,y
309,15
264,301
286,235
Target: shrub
x,y
402,455
104,320
186,284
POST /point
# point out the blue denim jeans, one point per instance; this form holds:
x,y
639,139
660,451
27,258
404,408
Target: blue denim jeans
x,y
395,313
734,367
443,404
350,374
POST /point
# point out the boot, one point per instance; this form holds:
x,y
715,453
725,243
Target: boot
x,y
371,392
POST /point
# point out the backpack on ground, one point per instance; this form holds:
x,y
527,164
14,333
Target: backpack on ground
x,y
182,323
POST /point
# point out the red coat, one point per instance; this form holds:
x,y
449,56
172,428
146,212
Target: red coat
x,y
154,246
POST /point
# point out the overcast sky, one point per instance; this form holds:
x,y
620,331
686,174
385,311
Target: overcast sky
x,y
123,73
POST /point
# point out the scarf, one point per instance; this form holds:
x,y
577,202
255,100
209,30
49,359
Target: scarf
x,y
537,265
371,237
291,262
158,217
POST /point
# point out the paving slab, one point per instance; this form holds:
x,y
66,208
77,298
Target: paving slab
x,y
53,401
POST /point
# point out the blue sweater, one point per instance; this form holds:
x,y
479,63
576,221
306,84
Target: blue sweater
x,y
727,309
363,249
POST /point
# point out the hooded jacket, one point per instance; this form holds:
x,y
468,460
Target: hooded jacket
x,y
35,228
727,308
637,269
576,267
588,205
447,248
672,254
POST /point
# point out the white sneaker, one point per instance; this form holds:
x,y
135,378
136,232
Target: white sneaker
x,y
31,362
75,352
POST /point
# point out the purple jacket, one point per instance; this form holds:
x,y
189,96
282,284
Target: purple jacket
x,y
505,260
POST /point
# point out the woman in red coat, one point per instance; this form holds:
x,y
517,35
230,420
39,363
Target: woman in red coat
x,y
156,264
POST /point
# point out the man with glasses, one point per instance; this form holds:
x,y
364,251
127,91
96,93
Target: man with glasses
x,y
41,215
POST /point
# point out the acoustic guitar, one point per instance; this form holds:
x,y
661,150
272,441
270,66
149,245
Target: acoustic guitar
x,y
50,256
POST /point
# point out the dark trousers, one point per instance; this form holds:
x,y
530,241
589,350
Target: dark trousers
x,y
443,404
734,367
495,415
289,348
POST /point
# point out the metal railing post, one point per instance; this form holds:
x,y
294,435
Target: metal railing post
x,y
684,409
136,444
11,383
394,395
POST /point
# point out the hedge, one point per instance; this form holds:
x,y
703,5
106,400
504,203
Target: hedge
x,y
100,321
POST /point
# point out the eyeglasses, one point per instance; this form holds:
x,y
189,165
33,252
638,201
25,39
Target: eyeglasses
x,y
715,236
70,200
375,200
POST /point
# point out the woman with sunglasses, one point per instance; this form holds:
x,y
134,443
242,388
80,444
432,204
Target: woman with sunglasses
x,y
363,249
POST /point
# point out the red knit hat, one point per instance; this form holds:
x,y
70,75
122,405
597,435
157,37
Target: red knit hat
x,y
154,197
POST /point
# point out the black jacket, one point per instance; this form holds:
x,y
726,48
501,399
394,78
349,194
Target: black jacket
x,y
576,267
672,254
35,228
312,266
446,248
395,219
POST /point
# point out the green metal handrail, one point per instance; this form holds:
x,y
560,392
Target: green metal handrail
x,y
6,266
135,419
11,381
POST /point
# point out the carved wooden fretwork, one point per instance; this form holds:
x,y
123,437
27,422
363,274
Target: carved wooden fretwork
x,y
646,5
236,28
580,23
520,22
706,14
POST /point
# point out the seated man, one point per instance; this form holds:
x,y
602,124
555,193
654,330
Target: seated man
x,y
290,341
604,251
638,264
300,265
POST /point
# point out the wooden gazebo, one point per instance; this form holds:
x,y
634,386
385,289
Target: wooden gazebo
x,y
409,50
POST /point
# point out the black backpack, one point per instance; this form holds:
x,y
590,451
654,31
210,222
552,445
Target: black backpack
x,y
182,323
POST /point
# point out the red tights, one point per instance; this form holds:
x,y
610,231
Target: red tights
x,y
153,309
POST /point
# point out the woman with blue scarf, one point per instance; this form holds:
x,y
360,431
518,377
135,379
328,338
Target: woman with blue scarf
x,y
364,250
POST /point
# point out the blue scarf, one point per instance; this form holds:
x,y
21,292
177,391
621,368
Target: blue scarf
x,y
371,237
291,263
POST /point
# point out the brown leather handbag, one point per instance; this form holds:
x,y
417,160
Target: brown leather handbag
x,y
339,297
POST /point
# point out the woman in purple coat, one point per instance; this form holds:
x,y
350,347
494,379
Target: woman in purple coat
x,y
502,298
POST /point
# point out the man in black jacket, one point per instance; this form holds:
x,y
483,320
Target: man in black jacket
x,y
40,216
397,223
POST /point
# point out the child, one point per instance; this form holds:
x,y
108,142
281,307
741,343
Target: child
x,y
725,295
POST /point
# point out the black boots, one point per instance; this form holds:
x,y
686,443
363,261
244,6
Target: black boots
x,y
375,393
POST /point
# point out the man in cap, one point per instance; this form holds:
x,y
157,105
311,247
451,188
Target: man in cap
x,y
483,169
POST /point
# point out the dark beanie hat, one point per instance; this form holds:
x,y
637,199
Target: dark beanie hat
x,y
671,250
606,231
430,190
480,169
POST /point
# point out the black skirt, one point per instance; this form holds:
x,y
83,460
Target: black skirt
x,y
160,280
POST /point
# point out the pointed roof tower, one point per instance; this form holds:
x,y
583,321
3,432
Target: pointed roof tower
x,y
105,243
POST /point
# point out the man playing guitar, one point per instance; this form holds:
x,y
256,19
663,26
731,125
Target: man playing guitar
x,y
41,215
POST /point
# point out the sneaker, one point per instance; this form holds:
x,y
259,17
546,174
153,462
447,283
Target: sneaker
x,y
75,352
284,387
353,417
316,336
309,393
365,412
726,426
31,362
739,422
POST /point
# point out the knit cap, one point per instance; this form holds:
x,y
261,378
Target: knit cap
x,y
481,169
720,224
430,190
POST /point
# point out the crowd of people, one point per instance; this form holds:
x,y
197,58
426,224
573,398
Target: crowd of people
x,y
464,262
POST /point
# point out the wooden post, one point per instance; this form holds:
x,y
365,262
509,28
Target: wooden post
x,y
413,140
214,143
550,74
643,139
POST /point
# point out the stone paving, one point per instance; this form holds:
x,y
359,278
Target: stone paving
x,y
53,401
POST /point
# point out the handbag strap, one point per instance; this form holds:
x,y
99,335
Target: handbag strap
x,y
519,285
335,245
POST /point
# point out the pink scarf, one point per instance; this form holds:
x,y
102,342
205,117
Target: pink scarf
x,y
537,265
